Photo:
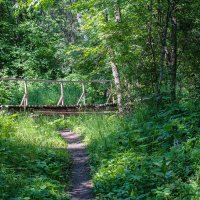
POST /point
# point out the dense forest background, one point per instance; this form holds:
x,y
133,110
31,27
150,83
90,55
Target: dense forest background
x,y
149,48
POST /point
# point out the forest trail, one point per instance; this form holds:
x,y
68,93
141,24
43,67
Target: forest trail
x,y
80,178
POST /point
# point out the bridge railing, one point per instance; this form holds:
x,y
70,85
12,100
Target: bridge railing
x,y
61,101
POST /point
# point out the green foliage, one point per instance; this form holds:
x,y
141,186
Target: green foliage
x,y
153,154
28,47
53,39
150,155
34,161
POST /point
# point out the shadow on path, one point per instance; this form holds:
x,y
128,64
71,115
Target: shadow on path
x,y
81,183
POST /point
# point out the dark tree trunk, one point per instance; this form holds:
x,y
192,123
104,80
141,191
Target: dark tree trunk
x,y
152,48
163,50
174,58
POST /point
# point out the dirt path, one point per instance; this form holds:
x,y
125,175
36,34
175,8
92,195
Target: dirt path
x,y
81,183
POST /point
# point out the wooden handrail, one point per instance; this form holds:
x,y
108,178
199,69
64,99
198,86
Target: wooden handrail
x,y
82,98
54,81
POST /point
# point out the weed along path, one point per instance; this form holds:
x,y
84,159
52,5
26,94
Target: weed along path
x,y
81,184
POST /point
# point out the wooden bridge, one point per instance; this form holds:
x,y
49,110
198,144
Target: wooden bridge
x,y
80,107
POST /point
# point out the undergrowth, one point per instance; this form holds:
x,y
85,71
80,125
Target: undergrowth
x,y
150,155
33,159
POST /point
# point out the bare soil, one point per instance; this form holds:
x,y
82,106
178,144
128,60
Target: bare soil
x,y
81,187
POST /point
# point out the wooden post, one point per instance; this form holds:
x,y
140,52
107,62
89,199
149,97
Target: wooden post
x,y
83,94
62,93
83,88
26,93
110,95
24,101
61,100
113,98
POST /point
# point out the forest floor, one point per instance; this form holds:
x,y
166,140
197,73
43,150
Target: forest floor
x,y
81,186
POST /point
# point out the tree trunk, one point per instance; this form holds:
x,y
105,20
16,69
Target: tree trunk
x,y
152,48
117,85
163,50
174,59
114,66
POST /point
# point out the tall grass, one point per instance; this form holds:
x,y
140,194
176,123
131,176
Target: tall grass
x,y
150,155
34,163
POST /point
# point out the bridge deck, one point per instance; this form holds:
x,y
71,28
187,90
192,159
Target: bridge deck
x,y
64,110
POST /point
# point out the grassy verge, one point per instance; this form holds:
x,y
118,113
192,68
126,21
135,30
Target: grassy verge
x,y
33,159
150,155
